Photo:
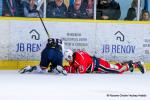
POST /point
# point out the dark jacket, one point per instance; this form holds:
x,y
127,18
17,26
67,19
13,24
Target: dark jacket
x,y
131,15
54,11
28,12
112,10
81,13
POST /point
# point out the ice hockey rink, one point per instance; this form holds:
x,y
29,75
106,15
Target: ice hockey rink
x,y
127,86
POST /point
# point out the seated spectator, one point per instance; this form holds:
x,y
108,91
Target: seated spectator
x,y
132,11
90,8
67,2
108,10
78,10
30,9
145,16
12,8
56,9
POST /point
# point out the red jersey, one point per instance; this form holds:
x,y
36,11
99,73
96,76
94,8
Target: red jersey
x,y
82,61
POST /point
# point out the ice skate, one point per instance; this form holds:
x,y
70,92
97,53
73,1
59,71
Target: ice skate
x,y
61,70
140,66
131,68
26,69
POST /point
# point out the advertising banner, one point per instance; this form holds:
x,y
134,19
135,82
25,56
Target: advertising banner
x,y
4,39
28,38
24,40
123,41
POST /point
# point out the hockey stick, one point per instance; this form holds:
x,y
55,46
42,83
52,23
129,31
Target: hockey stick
x,y
38,9
43,24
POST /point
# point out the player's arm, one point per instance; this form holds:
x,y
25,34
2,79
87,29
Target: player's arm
x,y
79,67
70,69
79,63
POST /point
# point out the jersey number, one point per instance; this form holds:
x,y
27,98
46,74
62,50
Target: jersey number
x,y
55,41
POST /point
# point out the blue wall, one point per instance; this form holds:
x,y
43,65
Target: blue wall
x,y
125,5
1,7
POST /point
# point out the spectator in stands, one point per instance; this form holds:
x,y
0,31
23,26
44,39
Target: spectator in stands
x,y
78,10
30,9
67,2
90,8
12,8
108,10
145,16
56,9
132,11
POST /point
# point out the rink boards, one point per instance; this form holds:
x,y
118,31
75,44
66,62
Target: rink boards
x,y
22,39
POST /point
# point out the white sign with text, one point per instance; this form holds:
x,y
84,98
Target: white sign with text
x,y
24,40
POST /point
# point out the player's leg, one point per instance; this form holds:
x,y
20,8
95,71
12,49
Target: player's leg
x,y
122,67
140,66
60,64
104,66
130,65
29,69
107,67
45,61
59,68
56,61
133,65
126,66
39,68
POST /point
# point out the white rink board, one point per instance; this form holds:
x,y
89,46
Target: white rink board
x,y
131,43
4,39
24,40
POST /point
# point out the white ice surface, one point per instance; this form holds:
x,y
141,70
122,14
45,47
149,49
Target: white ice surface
x,y
15,86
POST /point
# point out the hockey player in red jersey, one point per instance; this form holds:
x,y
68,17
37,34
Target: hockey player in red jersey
x,y
82,62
